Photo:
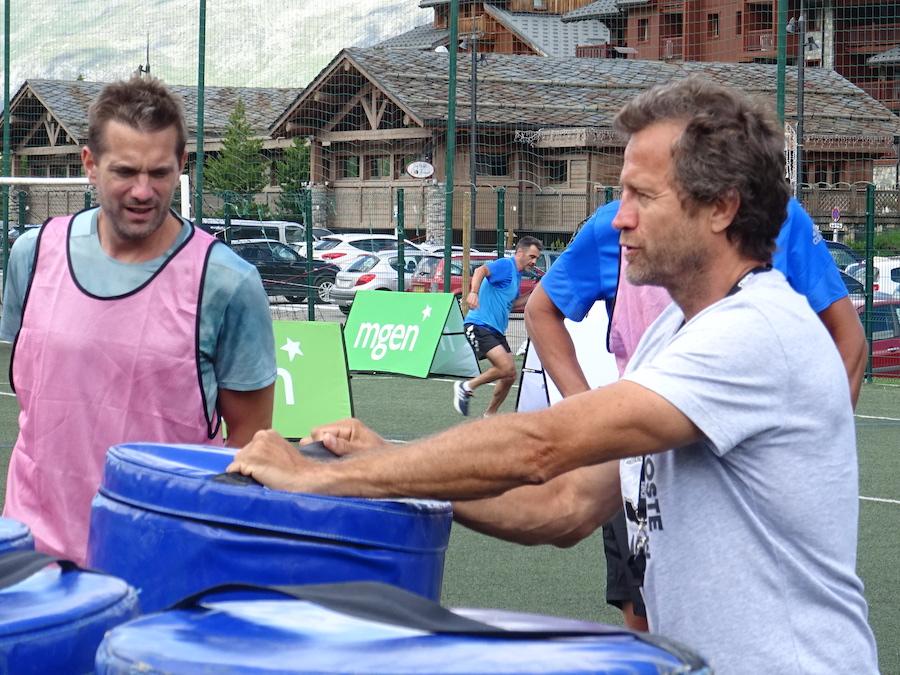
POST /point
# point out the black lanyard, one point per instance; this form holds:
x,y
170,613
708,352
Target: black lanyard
x,y
637,561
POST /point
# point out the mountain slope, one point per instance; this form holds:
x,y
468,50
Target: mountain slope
x,y
248,42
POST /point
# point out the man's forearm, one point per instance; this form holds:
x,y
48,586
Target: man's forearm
x,y
561,512
842,322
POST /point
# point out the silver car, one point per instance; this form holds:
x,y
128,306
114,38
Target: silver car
x,y
378,271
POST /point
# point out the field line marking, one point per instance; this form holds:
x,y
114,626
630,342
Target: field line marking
x,y
876,417
879,499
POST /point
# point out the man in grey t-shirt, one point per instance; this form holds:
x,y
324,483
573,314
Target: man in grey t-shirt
x,y
736,402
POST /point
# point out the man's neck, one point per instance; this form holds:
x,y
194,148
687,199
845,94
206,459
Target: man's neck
x,y
697,291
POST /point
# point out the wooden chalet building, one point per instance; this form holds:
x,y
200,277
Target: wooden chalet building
x,y
49,118
543,133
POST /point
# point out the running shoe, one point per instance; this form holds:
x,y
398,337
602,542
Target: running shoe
x,y
461,397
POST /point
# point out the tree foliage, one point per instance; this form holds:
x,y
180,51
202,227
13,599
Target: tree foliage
x,y
240,170
293,176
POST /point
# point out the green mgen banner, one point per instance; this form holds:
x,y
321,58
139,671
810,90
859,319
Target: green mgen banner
x,y
408,333
313,385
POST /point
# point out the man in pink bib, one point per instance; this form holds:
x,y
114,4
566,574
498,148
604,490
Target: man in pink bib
x,y
129,324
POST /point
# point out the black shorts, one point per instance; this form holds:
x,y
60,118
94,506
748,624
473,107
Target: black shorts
x,y
484,340
619,580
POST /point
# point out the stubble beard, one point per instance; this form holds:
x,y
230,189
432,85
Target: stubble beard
x,y
127,231
672,271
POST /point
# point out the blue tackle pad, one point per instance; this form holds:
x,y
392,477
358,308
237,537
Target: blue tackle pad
x,y
373,629
15,536
53,614
170,522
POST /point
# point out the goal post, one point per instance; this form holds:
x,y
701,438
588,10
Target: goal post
x,y
24,181
184,187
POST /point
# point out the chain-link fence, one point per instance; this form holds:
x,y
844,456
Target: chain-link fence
x,y
466,124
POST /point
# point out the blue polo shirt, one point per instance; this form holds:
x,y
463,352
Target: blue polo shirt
x,y
496,296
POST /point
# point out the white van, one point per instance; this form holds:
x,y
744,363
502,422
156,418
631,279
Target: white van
x,y
287,232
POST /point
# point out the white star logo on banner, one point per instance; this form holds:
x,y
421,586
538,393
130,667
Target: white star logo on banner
x,y
292,348
426,313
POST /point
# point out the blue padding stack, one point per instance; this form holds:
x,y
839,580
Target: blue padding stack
x,y
165,523
53,619
291,636
15,536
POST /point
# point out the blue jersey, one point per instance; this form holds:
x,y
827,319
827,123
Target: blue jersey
x,y
588,270
496,296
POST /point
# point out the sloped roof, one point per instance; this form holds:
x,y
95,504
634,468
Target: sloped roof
x,y
527,92
68,102
420,37
891,57
595,10
546,34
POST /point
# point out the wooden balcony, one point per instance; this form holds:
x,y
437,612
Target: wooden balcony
x,y
760,41
870,39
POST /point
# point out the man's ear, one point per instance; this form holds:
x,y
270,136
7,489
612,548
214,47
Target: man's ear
x,y
183,162
724,210
89,162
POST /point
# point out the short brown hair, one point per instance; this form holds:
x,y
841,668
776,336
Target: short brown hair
x,y
730,143
142,103
528,242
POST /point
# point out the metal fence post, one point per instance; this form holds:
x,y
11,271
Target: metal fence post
x,y
401,245
870,274
310,287
501,222
23,210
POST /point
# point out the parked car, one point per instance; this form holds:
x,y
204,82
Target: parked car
x,y
885,337
373,272
285,231
429,274
857,291
344,248
885,274
15,231
284,271
843,255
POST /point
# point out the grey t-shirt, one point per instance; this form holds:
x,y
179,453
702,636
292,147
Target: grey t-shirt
x,y
237,345
753,531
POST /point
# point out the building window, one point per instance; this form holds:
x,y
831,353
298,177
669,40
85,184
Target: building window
x,y
491,165
643,30
759,16
349,166
712,21
672,25
558,171
828,173
400,164
378,167
739,23
813,19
